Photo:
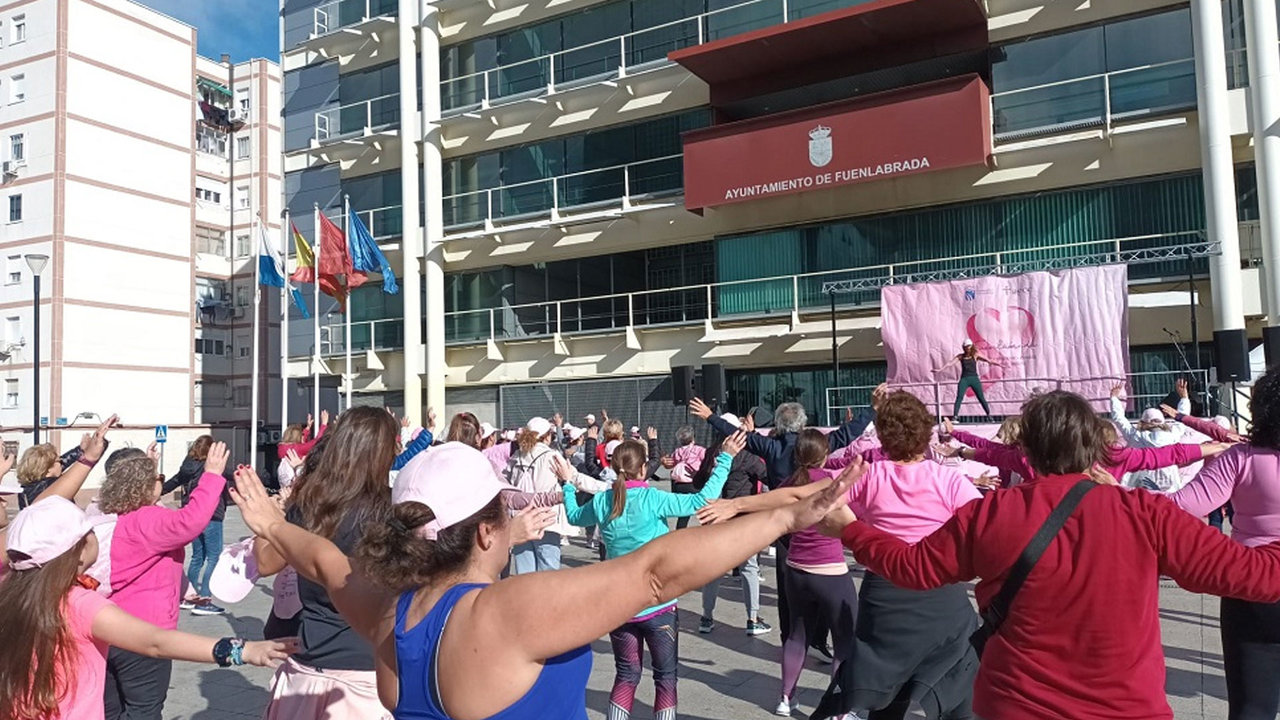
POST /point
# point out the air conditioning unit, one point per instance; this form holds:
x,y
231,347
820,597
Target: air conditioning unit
x,y
9,168
238,115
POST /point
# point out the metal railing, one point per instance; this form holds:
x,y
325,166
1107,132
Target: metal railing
x,y
333,16
614,57
1094,100
359,118
1144,390
383,222
645,178
787,296
377,335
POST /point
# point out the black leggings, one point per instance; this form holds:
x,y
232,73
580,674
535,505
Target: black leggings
x,y
827,600
970,383
685,488
1251,658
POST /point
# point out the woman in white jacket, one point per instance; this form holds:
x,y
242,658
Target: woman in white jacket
x,y
532,470
1151,431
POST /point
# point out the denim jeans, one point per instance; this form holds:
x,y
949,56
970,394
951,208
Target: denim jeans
x,y
204,555
536,555
750,571
662,634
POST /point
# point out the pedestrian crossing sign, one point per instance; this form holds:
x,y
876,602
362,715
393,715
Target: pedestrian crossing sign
x,y
162,434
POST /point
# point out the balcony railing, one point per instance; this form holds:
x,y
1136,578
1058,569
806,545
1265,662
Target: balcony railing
x,y
357,119
604,186
333,16
376,335
1095,100
383,223
619,56
787,296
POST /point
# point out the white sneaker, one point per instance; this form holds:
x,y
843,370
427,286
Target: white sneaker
x,y
785,706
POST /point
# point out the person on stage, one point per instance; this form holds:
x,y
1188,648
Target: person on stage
x,y
968,360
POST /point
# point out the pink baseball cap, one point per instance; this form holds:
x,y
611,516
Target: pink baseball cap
x,y
610,446
236,572
45,530
455,480
1152,415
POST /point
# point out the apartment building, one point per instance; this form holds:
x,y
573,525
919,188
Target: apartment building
x,y
572,231
135,167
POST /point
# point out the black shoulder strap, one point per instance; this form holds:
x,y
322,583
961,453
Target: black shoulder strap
x,y
999,608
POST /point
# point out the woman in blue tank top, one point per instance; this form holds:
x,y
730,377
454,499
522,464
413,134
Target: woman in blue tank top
x,y
452,641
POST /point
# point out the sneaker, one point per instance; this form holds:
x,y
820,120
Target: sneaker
x,y
785,706
758,627
822,654
706,626
186,604
207,609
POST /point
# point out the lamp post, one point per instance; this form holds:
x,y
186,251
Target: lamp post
x,y
36,263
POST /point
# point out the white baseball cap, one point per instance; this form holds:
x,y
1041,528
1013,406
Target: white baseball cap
x,y
46,529
539,425
1152,415
610,446
731,419
486,430
455,480
575,433
236,572
590,418
967,342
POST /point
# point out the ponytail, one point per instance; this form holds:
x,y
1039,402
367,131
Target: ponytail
x,y
812,448
394,554
619,498
628,463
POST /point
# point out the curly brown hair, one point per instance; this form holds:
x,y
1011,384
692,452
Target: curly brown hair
x,y
395,555
130,485
904,426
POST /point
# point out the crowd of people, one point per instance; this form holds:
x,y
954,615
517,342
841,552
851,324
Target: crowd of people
x,y
403,561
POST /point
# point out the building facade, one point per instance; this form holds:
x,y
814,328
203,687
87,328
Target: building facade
x,y
540,173
125,155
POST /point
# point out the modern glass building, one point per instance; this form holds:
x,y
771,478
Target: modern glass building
x,y
551,182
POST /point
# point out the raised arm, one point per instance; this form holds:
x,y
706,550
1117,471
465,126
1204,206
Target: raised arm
x,y
582,515
1132,459
1213,486
172,529
518,500
850,431
1205,427
1203,560
765,447
673,505
72,479
420,443
976,442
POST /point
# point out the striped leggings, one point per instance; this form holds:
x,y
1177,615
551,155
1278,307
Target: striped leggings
x,y
662,634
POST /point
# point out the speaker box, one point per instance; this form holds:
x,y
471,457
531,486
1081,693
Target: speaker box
x,y
682,384
1270,346
714,387
1231,354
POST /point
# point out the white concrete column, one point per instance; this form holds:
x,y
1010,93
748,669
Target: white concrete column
x,y
1221,220
433,201
411,242
1264,73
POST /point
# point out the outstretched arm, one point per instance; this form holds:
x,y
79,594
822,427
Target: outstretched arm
x,y
1117,417
120,629
72,479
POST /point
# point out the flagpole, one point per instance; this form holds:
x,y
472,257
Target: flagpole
x,y
284,325
315,324
257,313
346,215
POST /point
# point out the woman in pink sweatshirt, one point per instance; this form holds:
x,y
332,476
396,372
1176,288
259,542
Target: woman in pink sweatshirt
x,y
144,552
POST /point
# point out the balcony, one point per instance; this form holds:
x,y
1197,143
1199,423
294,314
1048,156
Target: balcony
x,y
567,199
375,335
1095,101
609,62
341,27
348,131
385,223
785,298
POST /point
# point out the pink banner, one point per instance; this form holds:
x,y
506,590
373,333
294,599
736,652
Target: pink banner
x,y
1064,330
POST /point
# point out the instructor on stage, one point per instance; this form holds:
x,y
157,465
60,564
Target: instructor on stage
x,y
968,360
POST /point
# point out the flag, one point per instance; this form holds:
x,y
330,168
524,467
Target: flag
x,y
337,277
306,272
271,268
367,257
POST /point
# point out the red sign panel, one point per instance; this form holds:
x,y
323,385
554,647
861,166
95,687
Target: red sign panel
x,y
919,129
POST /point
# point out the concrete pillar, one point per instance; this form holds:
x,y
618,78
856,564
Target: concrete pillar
x,y
1264,73
411,242
433,201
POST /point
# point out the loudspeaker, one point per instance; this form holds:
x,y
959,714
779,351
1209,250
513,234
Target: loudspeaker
x,y
1231,354
714,387
682,384
1270,346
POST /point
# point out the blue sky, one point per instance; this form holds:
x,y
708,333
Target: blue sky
x,y
243,28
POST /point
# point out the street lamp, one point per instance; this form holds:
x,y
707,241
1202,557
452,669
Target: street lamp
x,y
36,263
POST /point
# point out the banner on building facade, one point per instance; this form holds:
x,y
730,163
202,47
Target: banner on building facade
x,y
1064,330
936,126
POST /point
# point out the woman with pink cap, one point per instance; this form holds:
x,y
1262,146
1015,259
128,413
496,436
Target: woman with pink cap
x,y
57,628
440,553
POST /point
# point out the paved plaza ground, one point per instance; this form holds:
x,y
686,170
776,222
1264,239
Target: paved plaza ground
x,y
724,675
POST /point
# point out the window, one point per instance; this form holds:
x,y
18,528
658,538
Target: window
x,y
244,351
242,147
210,241
12,329
207,195
11,393
241,396
211,140
211,393
18,149
15,208
13,270
242,246
242,296
242,197
210,346
17,88
17,29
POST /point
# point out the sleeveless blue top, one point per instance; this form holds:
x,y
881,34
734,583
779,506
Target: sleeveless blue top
x,y
559,692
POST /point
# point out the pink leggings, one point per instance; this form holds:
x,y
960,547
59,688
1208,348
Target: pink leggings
x,y
662,634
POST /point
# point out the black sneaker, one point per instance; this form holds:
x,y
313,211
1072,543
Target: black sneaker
x,y
706,626
207,609
822,654
758,627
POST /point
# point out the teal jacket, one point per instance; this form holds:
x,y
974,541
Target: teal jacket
x,y
645,515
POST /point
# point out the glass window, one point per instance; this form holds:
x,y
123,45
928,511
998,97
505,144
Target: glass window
x,y
11,393
13,270
242,197
17,29
15,208
1048,59
13,329
17,88
242,246
242,147
18,148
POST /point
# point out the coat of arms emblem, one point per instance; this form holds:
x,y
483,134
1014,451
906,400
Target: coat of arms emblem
x,y
820,146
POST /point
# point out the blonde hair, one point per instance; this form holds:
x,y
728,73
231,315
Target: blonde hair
x,y
612,430
1010,432
528,440
35,463
292,435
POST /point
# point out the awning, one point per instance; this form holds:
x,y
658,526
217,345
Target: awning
x,y
840,43
214,86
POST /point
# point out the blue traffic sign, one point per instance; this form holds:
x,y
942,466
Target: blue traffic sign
x,y
162,433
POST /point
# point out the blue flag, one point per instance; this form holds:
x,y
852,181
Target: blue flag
x,y
271,269
366,256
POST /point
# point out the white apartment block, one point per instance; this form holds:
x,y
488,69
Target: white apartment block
x,y
136,166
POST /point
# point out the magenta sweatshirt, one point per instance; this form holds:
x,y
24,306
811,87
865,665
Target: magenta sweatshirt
x,y
147,553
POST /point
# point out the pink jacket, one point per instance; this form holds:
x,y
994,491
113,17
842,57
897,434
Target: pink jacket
x,y
147,553
688,459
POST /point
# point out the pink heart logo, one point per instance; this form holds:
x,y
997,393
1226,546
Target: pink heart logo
x,y
999,334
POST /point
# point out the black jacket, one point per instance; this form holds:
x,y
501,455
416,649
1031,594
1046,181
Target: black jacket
x,y
32,491
778,451
746,471
187,477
